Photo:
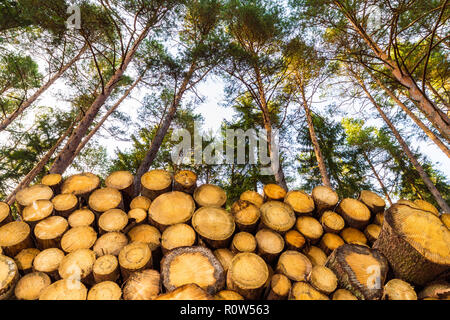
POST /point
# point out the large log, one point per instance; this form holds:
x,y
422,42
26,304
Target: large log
x,y
48,261
64,289
355,213
48,233
214,225
155,183
277,216
177,235
30,286
14,237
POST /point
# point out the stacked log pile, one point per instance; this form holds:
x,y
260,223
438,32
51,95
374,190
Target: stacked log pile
x,y
77,239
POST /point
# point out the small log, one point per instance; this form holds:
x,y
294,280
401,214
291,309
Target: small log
x,y
48,233
352,235
210,195
104,199
246,215
310,228
243,242
270,244
48,261
228,295
140,202
253,197
142,285
397,289
110,243
416,243
81,218
373,201
65,204
134,257
155,183
355,213
54,181
27,196
330,242
323,279
78,265
24,260
30,286
185,181
122,181
14,237
279,288
301,202
372,232
214,225
187,292
192,265
78,238
324,198
177,235
64,289
171,208
294,265
360,270
315,255
81,185
277,216
294,240
106,268
343,294
5,214
106,290
273,192
9,275
332,222
304,291
247,275
113,220
38,211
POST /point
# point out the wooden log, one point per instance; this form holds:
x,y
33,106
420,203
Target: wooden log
x,y
48,261
110,243
243,242
360,270
352,235
9,275
343,294
27,196
379,218
253,197
210,195
273,191
30,286
48,233
372,232
315,255
5,213
142,285
246,215
78,238
332,222
78,265
304,291
301,202
81,218
294,265
187,292
64,289
397,289
106,290
54,181
416,243
177,235
137,215
140,202
146,234
14,237
81,185
192,265
426,206
355,213
24,260
185,181
310,228
247,275
134,257
323,279
294,240
155,183
228,295
171,208
106,268
270,244
122,181
279,288
225,256
65,204
104,199
214,225
113,220
330,242
38,211
277,216
325,198
445,218
373,201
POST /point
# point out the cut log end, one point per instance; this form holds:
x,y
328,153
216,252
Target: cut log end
x,y
65,289
135,256
187,292
274,192
332,222
104,199
113,220
143,285
304,291
81,184
243,242
178,235
310,228
185,181
277,216
209,195
9,275
323,279
65,204
30,286
373,201
253,197
78,238
355,213
155,183
215,225
397,289
301,202
106,290
14,237
294,265
48,232
325,198
110,243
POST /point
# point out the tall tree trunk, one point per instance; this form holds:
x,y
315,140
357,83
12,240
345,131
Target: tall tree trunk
x,y
416,120
162,131
66,155
383,187
426,179
314,140
40,165
24,105
440,121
